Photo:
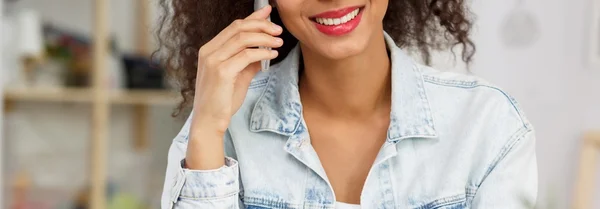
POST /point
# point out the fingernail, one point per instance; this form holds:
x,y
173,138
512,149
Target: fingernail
x,y
274,52
277,27
278,40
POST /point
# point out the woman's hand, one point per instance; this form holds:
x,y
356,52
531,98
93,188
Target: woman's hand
x,y
226,66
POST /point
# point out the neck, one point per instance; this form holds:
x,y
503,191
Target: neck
x,y
356,86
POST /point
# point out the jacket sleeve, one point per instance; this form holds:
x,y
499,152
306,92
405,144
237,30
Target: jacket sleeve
x,y
187,189
512,182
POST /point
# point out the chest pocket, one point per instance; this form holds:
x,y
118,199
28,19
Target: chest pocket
x,y
259,203
261,207
254,207
454,202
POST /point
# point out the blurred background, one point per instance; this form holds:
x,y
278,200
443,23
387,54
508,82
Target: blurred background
x,y
48,104
545,53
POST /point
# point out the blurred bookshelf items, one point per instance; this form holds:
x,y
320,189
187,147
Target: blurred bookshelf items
x,y
30,46
21,193
72,52
22,45
142,73
64,59
116,199
49,66
50,56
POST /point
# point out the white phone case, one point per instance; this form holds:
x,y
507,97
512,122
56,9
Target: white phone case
x,y
258,4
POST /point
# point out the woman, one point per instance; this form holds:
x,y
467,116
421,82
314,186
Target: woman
x,y
344,118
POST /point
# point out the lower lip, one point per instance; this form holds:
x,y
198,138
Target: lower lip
x,y
341,29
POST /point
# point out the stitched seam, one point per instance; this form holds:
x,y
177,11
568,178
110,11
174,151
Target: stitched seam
x,y
513,141
471,191
456,199
271,129
259,83
454,83
425,98
475,84
505,150
209,198
261,202
260,98
299,122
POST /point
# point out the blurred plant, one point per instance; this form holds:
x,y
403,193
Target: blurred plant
x,y
125,201
74,51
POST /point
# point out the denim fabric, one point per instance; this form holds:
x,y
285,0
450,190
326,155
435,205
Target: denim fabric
x,y
454,141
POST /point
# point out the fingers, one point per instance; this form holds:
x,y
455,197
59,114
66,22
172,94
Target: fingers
x,y
246,57
253,23
245,77
245,40
262,13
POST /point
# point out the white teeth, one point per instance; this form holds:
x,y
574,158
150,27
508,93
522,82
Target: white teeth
x,y
345,18
338,21
329,21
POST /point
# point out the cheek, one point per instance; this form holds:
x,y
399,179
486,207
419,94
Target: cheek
x,y
290,14
288,7
379,8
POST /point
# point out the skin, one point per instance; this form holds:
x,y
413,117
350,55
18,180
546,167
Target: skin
x,y
347,122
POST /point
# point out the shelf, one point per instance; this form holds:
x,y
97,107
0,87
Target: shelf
x,y
82,95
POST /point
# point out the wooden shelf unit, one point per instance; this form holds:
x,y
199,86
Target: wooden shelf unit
x,y
82,95
100,97
586,179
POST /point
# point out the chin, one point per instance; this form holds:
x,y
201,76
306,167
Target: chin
x,y
338,49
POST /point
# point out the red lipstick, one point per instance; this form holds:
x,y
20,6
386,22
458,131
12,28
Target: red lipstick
x,y
336,13
339,29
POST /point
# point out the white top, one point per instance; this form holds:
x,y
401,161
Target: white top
x,y
341,205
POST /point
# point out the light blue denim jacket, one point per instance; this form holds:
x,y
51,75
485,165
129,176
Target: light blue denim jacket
x,y
454,141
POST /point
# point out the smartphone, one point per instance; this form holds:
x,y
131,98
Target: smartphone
x,y
258,4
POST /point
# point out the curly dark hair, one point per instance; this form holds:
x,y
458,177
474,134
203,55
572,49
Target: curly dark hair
x,y
186,25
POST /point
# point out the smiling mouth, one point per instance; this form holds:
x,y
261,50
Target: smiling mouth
x,y
338,17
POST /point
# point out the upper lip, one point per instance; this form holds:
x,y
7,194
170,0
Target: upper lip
x,y
337,13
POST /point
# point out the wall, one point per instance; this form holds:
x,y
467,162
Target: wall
x,y
559,92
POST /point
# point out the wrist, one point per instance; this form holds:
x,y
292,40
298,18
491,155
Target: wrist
x,y
205,150
204,123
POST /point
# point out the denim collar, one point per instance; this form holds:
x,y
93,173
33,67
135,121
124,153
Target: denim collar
x,y
279,109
